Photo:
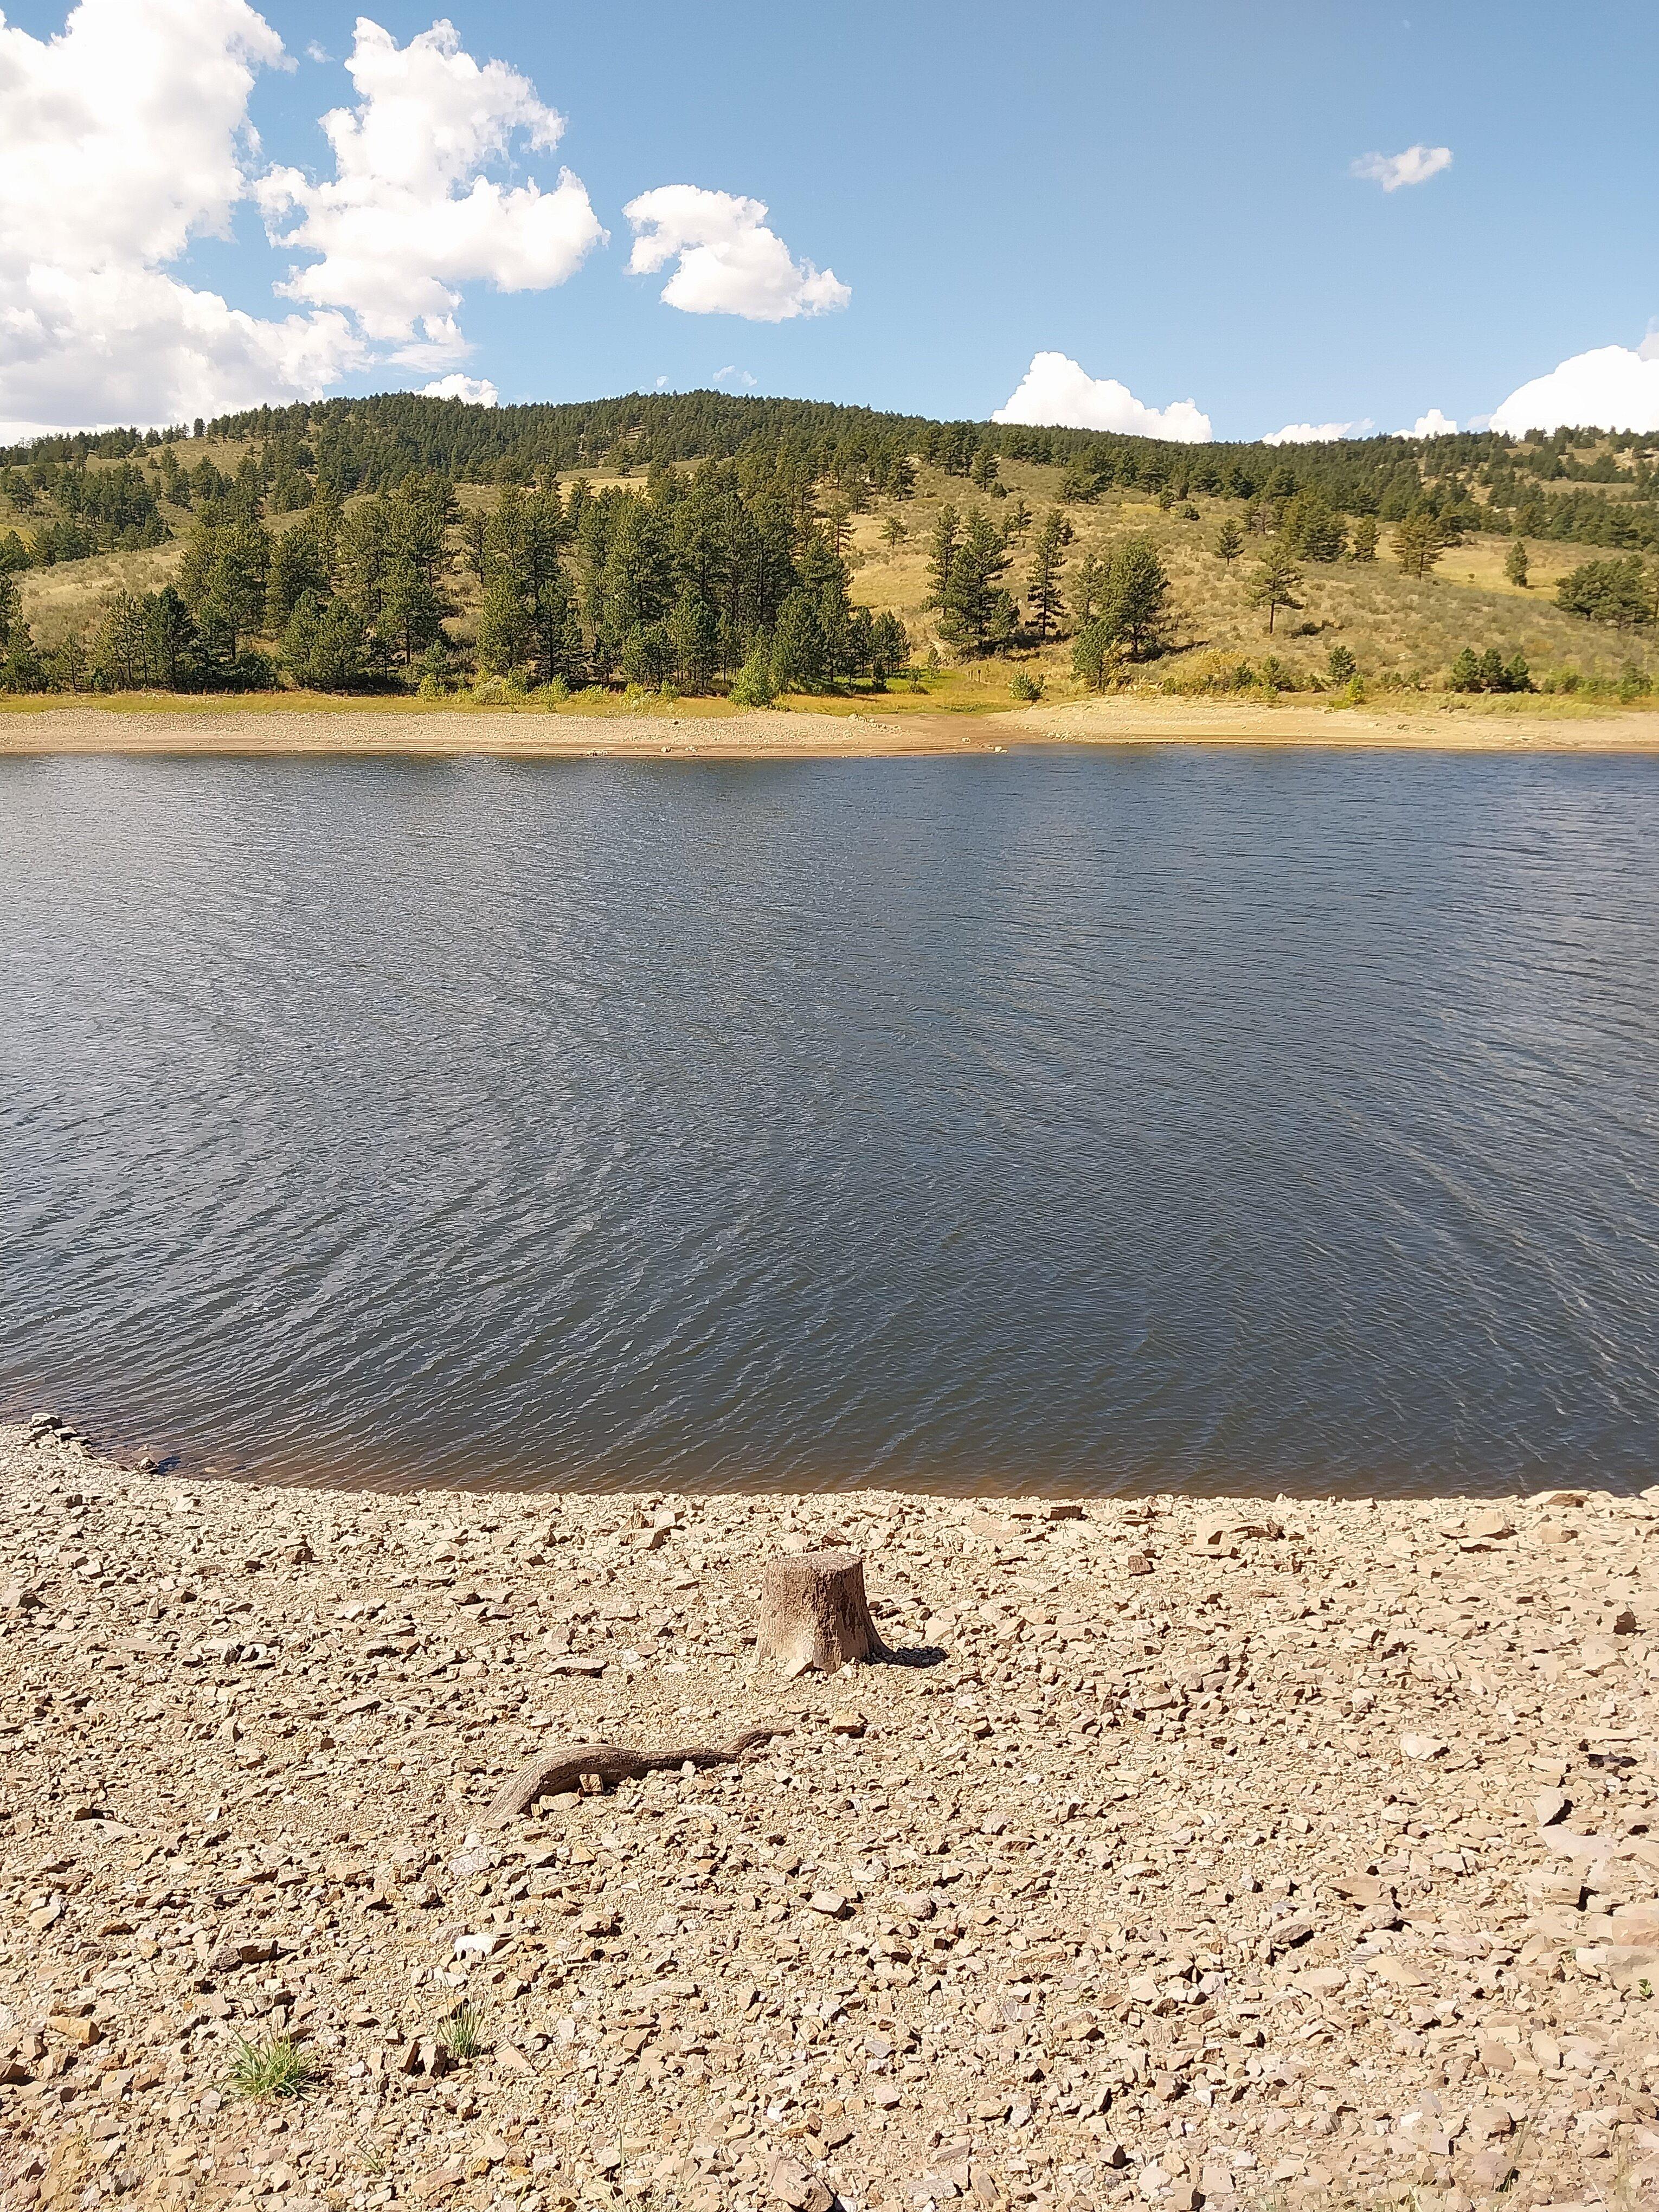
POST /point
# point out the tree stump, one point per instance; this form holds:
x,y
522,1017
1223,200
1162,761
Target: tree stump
x,y
814,1613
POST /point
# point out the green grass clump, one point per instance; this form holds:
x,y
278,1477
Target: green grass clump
x,y
275,2066
463,2031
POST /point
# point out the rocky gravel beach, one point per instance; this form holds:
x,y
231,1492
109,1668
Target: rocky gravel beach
x,y
1233,1852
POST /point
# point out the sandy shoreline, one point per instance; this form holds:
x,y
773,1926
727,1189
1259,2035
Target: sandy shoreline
x,y
1295,1856
398,728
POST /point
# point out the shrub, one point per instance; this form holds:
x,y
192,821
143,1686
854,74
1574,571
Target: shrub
x,y
1209,674
1028,688
753,685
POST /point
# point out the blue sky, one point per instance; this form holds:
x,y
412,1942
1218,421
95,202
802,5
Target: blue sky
x,y
1163,194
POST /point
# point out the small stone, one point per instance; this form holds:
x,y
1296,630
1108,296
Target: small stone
x,y
1549,1805
1389,1966
1422,1746
1486,2121
1137,1563
1493,1525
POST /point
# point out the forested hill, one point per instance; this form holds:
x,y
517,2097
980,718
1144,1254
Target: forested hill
x,y
748,549
1576,485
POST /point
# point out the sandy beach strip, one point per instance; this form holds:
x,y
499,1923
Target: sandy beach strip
x,y
702,729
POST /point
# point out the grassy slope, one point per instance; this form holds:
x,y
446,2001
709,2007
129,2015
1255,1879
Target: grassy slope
x,y
1387,621
1390,622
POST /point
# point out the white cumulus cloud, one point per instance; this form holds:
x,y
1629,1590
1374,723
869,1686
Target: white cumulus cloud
x,y
125,138
1612,388
1055,392
1316,433
730,263
1414,167
477,391
1434,424
407,218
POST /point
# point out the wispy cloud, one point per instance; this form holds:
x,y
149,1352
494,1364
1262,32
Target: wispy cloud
x,y
1414,167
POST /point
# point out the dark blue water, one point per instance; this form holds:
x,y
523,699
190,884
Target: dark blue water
x,y
1092,1120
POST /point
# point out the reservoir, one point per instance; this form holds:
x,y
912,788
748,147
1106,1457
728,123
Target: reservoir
x,y
1083,1120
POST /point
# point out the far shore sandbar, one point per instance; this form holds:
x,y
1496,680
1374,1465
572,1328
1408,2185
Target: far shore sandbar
x,y
700,728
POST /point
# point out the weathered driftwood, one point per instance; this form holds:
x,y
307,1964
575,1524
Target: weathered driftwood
x,y
552,1772
814,1613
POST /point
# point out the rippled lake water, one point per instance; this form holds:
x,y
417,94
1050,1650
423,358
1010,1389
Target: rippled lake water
x,y
1086,1119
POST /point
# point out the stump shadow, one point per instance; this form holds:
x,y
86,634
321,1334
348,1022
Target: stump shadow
x,y
919,1655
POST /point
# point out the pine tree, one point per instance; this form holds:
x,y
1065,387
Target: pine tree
x,y
1364,546
1515,563
324,646
413,609
1098,655
505,628
1042,585
798,646
171,643
1277,582
1086,587
890,648
296,567
1229,542
1418,542
1135,600
1310,527
976,612
947,536
693,631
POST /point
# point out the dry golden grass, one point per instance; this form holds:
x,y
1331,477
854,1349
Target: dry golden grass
x,y
64,597
1393,624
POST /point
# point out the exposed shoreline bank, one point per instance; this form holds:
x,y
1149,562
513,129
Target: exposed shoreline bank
x,y
1228,1855
703,729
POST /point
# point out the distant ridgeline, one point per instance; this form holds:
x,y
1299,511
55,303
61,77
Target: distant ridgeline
x,y
332,545
371,444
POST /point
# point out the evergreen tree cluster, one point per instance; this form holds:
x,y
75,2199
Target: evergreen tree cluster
x,y
1620,592
1489,671
726,572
